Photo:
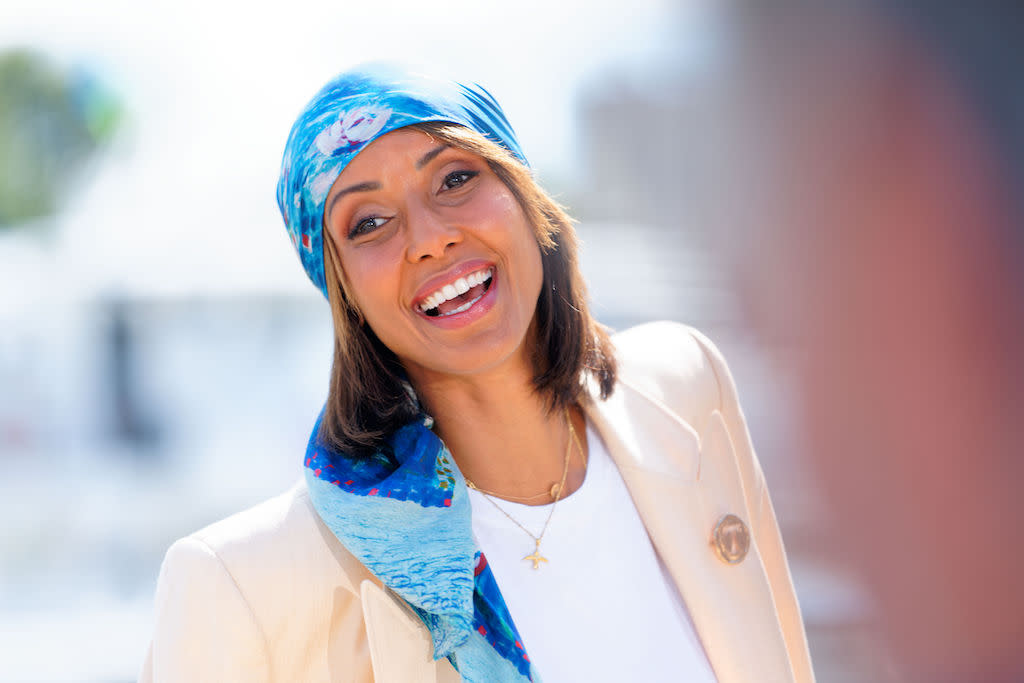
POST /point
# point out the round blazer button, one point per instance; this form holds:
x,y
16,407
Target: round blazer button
x,y
731,539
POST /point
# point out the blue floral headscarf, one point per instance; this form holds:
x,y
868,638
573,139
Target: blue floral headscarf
x,y
404,512
351,111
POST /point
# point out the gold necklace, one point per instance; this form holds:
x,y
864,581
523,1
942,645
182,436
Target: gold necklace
x,y
550,493
556,493
516,499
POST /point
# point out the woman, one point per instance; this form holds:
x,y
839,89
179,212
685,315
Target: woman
x,y
495,490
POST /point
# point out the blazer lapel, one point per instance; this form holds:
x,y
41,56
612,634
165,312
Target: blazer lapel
x,y
682,482
400,645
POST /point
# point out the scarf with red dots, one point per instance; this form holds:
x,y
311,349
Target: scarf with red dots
x,y
405,513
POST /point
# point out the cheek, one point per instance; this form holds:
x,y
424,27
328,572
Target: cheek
x,y
527,254
495,207
534,259
371,280
510,221
527,246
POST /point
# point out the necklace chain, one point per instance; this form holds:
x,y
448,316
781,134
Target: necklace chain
x,y
554,487
555,493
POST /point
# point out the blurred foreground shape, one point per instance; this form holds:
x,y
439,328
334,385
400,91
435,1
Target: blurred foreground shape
x,y
879,168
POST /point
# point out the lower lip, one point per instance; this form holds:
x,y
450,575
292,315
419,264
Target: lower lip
x,y
471,314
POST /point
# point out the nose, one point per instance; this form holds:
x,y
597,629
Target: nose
x,y
429,233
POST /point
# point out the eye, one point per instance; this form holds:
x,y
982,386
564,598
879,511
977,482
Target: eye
x,y
367,225
457,179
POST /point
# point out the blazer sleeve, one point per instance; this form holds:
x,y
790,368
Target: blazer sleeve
x,y
205,629
764,526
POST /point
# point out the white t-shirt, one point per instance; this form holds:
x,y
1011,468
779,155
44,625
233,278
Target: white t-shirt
x,y
603,608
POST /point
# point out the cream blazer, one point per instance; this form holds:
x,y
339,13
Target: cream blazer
x,y
271,595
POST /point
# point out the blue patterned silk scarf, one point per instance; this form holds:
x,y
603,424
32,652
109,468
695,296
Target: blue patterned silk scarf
x,y
405,514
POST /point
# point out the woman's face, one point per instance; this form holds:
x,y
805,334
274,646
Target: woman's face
x,y
437,254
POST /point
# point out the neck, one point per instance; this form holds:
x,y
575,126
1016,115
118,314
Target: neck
x,y
501,435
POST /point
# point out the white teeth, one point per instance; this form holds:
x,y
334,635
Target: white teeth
x,y
457,288
463,307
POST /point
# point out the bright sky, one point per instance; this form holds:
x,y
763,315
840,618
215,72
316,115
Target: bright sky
x,y
186,201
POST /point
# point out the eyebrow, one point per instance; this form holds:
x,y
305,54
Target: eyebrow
x,y
360,187
373,185
429,156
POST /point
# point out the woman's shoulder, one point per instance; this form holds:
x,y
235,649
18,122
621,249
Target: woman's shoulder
x,y
266,590
676,365
278,543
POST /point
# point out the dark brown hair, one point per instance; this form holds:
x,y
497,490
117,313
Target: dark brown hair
x,y
368,400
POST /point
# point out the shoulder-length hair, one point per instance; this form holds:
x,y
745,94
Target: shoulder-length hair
x,y
368,397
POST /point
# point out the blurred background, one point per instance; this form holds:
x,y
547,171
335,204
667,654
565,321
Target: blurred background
x,y
830,190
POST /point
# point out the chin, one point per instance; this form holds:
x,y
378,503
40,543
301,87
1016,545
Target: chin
x,y
479,357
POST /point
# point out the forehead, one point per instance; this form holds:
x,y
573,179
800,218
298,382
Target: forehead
x,y
400,149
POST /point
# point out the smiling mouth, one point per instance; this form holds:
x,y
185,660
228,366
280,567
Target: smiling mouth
x,y
458,296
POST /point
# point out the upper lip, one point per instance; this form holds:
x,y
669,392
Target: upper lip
x,y
449,277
